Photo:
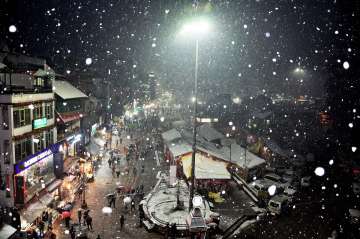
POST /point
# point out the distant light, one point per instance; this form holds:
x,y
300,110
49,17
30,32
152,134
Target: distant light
x,y
351,125
128,137
64,103
233,128
245,26
236,100
162,118
227,135
267,34
68,71
231,123
88,61
197,27
331,162
272,190
319,171
346,65
31,106
12,28
353,148
193,99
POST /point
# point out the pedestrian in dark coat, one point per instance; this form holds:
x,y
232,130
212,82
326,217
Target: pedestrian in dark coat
x,y
167,231
79,214
122,221
98,237
89,223
67,222
173,231
72,232
109,162
132,205
50,218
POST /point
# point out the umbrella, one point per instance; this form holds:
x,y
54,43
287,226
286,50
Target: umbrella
x,y
67,207
110,195
65,214
127,200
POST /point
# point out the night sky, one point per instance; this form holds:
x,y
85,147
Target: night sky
x,y
254,47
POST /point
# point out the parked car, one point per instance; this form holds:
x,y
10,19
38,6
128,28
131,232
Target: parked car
x,y
305,181
290,190
278,204
277,180
260,188
289,176
354,216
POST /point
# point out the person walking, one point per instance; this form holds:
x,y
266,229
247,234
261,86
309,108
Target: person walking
x,y
89,223
109,162
118,171
113,170
50,219
122,221
72,232
67,222
79,214
132,205
112,201
98,237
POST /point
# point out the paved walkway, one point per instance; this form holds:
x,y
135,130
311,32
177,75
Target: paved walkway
x,y
108,226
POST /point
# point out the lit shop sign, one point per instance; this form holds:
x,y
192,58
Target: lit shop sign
x,y
33,159
74,139
39,123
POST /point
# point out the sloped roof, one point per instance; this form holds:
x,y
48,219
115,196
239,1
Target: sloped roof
x,y
209,133
67,91
171,135
238,157
180,149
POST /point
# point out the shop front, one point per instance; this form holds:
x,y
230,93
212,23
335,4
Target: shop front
x,y
34,174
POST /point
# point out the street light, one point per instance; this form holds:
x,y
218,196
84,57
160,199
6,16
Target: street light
x,y
197,29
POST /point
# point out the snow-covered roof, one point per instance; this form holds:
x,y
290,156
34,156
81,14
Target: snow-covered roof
x,y
274,147
180,149
205,167
171,135
238,157
262,115
67,91
209,133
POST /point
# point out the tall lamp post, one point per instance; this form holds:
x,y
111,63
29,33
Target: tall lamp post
x,y
196,28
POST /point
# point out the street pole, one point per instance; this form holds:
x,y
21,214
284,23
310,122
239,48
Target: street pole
x,y
192,186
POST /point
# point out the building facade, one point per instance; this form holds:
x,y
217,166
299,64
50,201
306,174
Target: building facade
x,y
29,153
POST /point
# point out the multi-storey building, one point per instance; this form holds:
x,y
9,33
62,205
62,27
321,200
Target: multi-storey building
x,y
30,159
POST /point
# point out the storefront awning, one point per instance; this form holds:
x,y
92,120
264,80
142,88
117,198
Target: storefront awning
x,y
46,199
6,231
28,215
70,116
54,185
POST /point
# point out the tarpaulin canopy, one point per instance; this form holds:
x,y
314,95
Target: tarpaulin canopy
x,y
205,167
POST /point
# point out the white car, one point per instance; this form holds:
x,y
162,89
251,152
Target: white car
x,y
290,190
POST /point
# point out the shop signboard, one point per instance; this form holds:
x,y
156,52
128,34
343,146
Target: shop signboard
x,y
48,152
39,123
93,129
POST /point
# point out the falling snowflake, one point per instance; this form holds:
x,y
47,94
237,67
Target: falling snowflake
x,y
319,171
88,61
346,65
12,28
272,190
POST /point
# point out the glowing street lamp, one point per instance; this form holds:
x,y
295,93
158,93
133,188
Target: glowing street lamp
x,y
197,28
